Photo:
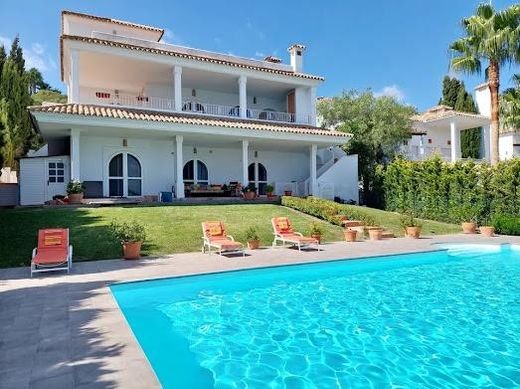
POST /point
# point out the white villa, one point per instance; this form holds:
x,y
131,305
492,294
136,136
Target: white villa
x,y
437,131
145,117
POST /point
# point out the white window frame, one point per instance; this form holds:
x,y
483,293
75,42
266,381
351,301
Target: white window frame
x,y
125,176
195,172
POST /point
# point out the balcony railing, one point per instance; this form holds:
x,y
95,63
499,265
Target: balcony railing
x,y
193,106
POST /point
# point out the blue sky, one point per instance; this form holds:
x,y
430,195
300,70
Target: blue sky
x,y
393,47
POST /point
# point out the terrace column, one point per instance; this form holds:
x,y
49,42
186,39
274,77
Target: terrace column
x,y
484,143
455,142
312,95
421,147
242,93
74,77
245,162
177,87
313,184
74,154
179,184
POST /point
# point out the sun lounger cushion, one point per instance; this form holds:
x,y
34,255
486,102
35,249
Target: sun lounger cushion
x,y
51,256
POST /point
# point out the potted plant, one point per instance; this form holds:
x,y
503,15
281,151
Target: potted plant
x,y
287,191
467,214
410,225
131,235
316,231
249,191
75,191
487,230
253,240
269,189
350,235
375,232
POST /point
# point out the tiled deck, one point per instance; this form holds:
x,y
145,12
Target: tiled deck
x,y
65,331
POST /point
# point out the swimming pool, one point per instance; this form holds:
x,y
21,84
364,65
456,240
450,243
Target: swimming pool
x,y
447,318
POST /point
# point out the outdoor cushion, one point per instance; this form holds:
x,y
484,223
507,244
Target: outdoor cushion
x,y
214,229
51,256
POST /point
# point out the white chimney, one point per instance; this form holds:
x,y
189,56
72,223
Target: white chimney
x,y
483,99
296,52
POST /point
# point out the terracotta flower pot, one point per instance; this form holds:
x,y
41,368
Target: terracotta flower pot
x,y
469,227
253,244
375,233
287,192
487,231
350,235
75,198
249,195
317,237
413,232
132,250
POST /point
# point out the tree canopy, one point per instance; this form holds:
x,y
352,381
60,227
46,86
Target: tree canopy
x,y
379,126
510,106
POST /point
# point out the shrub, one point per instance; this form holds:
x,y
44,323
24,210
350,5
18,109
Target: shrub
x,y
75,187
269,188
249,188
327,210
252,234
408,220
128,231
507,225
315,229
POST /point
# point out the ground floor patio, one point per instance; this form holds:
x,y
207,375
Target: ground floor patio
x,y
66,331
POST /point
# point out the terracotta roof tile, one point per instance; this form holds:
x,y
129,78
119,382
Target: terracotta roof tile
x,y
173,53
180,118
442,112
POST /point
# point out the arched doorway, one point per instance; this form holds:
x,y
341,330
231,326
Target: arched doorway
x,y
195,172
124,176
257,174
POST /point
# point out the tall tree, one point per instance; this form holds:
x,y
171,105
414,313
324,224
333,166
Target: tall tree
x,y
379,126
493,37
16,55
3,57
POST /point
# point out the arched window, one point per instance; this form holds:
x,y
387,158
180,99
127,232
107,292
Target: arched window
x,y
257,174
124,176
195,172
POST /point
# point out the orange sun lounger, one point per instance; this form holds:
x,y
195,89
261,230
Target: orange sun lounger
x,y
284,233
214,235
53,252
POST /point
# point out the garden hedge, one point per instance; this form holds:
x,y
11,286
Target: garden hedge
x,y
326,209
453,192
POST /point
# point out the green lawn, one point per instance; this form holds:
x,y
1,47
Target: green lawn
x,y
170,229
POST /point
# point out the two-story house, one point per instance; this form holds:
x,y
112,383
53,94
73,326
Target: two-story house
x,y
144,117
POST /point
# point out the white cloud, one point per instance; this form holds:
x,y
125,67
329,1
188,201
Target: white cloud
x,y
259,54
35,56
37,48
391,91
171,38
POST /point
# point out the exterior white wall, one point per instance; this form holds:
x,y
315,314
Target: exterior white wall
x,y
34,189
155,156
341,180
483,99
507,148
77,25
302,99
438,146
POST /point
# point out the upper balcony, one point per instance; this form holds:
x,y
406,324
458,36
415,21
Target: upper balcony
x,y
111,77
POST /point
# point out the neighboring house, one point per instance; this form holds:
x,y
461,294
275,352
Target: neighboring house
x,y
144,117
437,131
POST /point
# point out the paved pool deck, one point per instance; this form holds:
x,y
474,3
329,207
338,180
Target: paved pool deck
x,y
66,331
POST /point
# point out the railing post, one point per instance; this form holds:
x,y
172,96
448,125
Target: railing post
x,y
177,85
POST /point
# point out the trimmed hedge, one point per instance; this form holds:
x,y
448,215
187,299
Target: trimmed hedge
x,y
453,192
507,225
326,209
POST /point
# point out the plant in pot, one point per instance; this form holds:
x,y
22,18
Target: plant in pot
x,y
252,238
269,189
410,225
75,191
487,229
350,235
316,231
467,214
375,232
131,235
249,191
287,191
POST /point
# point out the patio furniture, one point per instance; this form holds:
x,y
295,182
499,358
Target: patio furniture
x,y
53,253
214,235
284,233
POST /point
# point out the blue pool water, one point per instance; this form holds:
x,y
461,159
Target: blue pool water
x,y
444,319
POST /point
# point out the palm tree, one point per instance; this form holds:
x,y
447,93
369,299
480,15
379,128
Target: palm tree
x,y
493,37
510,106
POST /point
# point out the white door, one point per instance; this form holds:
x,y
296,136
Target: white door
x,y
57,177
